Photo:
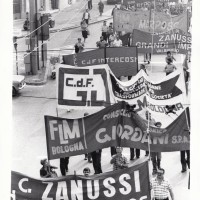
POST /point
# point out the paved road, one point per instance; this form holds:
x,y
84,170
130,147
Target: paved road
x,y
29,140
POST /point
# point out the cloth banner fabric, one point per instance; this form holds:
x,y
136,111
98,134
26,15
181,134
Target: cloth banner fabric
x,y
126,21
121,60
153,96
126,184
145,3
175,41
84,87
115,125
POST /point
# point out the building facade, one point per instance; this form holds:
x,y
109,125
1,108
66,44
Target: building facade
x,y
21,7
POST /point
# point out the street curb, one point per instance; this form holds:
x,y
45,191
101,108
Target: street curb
x,y
39,82
44,81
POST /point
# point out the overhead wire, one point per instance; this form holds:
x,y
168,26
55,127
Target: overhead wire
x,y
55,32
43,24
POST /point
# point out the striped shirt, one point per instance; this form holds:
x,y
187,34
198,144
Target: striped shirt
x,y
161,190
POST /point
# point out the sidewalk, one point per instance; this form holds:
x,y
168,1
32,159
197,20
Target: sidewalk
x,y
68,18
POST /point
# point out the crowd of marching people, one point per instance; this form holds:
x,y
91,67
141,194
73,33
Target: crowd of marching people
x,y
108,38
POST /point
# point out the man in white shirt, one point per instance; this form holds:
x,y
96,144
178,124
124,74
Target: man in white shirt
x,y
117,42
86,16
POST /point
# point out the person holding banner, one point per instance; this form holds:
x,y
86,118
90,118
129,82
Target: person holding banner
x,y
79,46
47,170
118,160
169,55
102,43
170,67
161,187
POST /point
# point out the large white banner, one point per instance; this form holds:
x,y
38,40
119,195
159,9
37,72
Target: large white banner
x,y
97,87
153,96
84,87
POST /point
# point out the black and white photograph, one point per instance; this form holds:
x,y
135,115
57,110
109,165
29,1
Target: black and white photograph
x,y
104,102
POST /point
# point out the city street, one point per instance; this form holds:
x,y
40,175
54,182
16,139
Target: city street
x,y
33,102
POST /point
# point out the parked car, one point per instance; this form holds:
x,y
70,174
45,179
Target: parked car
x,y
18,83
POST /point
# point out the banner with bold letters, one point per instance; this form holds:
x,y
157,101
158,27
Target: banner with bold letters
x,y
175,41
115,125
126,184
143,20
153,96
121,60
81,87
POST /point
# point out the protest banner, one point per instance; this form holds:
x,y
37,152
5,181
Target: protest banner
x,y
145,3
175,41
122,61
126,184
115,125
83,87
126,21
154,96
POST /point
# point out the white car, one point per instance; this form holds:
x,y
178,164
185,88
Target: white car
x,y
18,83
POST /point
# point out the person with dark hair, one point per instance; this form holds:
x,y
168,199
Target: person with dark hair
x,y
86,171
102,43
84,29
170,67
118,160
86,16
96,161
64,165
169,55
47,171
161,187
79,46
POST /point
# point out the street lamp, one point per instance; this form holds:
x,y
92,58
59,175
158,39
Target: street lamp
x,y
15,46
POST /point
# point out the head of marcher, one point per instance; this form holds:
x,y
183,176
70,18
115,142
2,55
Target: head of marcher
x,y
115,5
117,37
119,150
87,10
44,162
104,23
79,40
160,174
86,114
158,124
86,171
168,53
101,38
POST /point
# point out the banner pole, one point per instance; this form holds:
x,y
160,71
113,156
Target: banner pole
x,y
57,111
